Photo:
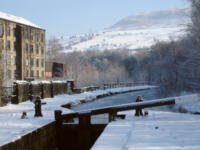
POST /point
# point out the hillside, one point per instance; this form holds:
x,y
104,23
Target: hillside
x,y
134,32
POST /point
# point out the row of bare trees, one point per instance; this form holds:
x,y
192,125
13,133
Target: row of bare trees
x,y
91,67
175,64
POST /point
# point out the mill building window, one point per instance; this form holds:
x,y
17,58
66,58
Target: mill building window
x,y
26,34
31,48
37,49
37,62
15,74
1,30
37,36
2,44
42,62
8,44
32,73
8,31
42,37
15,46
37,73
27,47
32,62
42,50
31,36
42,73
15,60
27,73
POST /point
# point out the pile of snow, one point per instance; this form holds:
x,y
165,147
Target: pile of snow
x,y
157,131
191,105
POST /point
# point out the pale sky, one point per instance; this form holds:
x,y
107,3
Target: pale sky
x,y
71,17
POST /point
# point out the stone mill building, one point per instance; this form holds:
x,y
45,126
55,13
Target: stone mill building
x,y
22,50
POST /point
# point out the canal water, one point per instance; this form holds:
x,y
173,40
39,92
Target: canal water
x,y
150,94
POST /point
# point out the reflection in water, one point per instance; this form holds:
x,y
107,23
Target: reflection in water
x,y
151,94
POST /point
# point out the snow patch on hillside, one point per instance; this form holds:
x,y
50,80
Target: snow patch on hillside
x,y
135,32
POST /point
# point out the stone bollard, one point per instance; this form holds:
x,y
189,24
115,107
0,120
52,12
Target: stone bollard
x,y
38,106
138,111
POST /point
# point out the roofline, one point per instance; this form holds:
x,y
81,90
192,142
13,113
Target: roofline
x,y
22,24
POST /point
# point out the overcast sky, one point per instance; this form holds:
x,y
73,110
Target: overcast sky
x,y
70,17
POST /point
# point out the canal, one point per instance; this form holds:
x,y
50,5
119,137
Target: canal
x,y
150,94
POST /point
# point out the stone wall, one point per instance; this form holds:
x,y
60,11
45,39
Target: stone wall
x,y
41,139
23,90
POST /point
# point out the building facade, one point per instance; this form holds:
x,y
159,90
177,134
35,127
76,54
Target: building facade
x,y
22,49
55,70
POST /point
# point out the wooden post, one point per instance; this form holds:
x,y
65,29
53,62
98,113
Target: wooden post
x,y
84,121
52,89
112,116
42,90
58,118
84,130
15,99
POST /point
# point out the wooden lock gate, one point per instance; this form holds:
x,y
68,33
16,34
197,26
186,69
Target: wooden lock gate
x,y
82,136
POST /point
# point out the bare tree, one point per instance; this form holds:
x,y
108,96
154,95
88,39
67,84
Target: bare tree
x,y
54,48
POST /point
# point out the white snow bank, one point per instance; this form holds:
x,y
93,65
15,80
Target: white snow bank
x,y
191,105
59,81
158,131
46,82
12,127
21,82
187,98
42,81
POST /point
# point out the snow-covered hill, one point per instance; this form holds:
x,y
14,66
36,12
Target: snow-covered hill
x,y
134,32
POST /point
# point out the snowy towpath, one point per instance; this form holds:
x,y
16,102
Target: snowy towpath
x,y
12,127
158,131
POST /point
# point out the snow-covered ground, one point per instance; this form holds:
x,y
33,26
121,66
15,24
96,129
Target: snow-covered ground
x,y
12,127
157,131
135,32
128,39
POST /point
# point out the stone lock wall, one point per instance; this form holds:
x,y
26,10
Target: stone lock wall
x,y
59,88
41,139
20,92
46,90
23,90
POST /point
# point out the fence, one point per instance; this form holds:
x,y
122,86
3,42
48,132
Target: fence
x,y
109,86
122,84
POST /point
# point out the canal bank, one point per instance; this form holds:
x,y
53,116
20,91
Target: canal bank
x,y
24,134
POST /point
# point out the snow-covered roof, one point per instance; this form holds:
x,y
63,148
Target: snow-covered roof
x,y
17,19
